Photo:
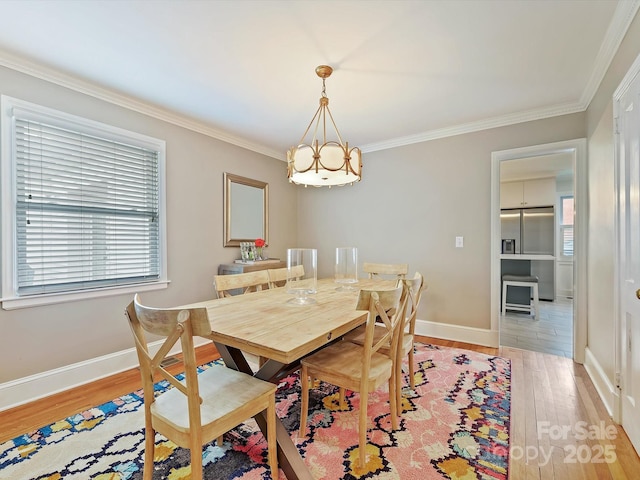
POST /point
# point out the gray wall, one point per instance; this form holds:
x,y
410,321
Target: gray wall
x,y
38,339
411,204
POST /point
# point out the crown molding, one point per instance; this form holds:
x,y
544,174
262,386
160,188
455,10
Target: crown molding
x,y
484,124
622,18
42,72
48,74
624,14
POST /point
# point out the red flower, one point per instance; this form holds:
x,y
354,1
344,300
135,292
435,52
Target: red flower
x,y
259,242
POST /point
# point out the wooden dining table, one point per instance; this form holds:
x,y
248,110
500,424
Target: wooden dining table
x,y
264,324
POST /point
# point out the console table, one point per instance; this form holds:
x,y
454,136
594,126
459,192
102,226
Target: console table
x,y
233,268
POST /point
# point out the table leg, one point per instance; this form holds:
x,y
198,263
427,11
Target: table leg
x,y
233,358
289,458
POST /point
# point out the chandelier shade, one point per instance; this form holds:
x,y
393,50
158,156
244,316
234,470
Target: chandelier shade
x,y
319,162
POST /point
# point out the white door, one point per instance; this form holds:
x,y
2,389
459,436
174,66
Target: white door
x,y
628,150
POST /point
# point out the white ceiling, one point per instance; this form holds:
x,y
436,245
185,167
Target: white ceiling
x,y
557,165
243,71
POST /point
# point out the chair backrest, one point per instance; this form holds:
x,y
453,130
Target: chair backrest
x,y
386,309
415,286
278,276
380,270
174,325
243,282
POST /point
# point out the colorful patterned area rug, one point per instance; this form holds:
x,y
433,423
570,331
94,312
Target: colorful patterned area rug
x,y
455,425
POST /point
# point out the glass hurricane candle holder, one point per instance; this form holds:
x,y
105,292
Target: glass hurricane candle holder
x,y
346,267
302,276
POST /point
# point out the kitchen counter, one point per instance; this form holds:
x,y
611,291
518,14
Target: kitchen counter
x,y
541,266
526,256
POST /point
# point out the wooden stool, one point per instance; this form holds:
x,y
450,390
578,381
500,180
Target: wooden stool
x,y
521,281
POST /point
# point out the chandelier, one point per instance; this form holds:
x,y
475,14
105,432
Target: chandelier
x,y
320,162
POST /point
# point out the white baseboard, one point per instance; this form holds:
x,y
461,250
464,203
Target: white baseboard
x,y
34,387
605,388
445,331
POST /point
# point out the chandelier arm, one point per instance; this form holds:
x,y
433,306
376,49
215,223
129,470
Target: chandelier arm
x,y
324,125
309,126
320,115
335,126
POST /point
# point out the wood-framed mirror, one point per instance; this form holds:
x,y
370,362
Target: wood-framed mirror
x,y
246,210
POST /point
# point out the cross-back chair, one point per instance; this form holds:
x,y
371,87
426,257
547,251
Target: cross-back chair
x,y
228,285
414,287
239,284
385,270
278,276
360,368
202,407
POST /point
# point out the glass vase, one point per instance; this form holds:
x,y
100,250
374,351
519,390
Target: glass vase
x,y
302,276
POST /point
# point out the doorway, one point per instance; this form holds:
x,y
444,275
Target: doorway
x,y
536,205
576,151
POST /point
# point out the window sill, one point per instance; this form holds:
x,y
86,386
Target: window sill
x,y
54,298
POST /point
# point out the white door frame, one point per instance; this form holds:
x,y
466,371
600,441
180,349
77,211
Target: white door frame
x,y
618,289
578,149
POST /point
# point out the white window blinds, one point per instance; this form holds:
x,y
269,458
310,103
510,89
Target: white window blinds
x,y
87,210
566,234
566,224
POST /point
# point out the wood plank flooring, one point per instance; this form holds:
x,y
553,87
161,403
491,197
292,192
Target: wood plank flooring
x,y
551,333
554,405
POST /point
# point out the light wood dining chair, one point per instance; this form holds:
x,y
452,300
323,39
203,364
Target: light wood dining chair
x,y
202,407
241,282
415,287
360,368
278,276
384,270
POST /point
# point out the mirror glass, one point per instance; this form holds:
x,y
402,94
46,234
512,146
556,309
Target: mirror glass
x,y
246,207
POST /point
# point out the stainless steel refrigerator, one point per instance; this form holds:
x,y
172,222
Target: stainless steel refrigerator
x,y
533,230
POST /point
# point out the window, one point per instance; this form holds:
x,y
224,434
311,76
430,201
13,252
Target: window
x,y
566,225
82,204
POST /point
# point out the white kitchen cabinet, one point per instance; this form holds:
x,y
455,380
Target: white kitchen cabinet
x,y
511,195
540,192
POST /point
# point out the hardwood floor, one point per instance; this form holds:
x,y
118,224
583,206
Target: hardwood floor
x,y
559,427
553,404
34,415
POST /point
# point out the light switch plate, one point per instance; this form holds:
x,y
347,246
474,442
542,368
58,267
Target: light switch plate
x,y
459,242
